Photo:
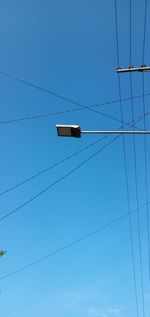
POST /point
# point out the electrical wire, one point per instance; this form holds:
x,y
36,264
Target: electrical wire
x,y
125,169
58,180
82,107
25,82
64,176
55,164
144,32
45,115
69,245
135,167
39,116
145,141
52,166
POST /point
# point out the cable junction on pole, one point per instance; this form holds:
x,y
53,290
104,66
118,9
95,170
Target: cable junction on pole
x,y
142,68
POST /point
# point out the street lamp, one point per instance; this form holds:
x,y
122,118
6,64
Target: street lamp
x,y
68,130
75,131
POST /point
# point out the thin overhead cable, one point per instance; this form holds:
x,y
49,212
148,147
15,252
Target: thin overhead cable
x,y
82,107
47,91
125,169
69,245
46,115
58,180
54,94
63,177
52,166
135,167
145,141
144,33
39,116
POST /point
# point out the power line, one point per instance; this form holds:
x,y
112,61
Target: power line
x,y
45,115
137,200
144,32
47,91
82,107
145,141
51,166
125,169
135,168
69,245
58,180
63,177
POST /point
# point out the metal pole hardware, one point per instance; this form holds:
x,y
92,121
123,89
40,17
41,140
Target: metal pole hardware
x,y
115,132
142,68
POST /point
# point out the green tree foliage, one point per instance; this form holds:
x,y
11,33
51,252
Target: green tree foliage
x,y
2,252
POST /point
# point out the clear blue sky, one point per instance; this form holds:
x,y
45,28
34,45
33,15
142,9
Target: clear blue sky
x,y
69,47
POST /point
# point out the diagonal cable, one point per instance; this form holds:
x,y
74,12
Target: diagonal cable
x,y
70,245
64,176
47,91
46,115
28,179
52,166
58,180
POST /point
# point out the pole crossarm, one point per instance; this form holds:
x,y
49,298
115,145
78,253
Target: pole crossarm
x,y
142,68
